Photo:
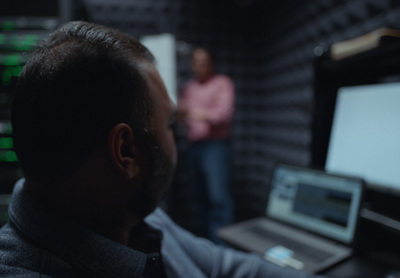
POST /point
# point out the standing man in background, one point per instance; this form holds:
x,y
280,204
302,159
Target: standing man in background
x,y
207,106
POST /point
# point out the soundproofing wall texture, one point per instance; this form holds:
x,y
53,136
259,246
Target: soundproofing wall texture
x,y
269,50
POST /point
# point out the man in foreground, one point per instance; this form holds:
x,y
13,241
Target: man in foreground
x,y
92,131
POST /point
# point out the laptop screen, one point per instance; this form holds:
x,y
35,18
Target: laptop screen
x,y
316,201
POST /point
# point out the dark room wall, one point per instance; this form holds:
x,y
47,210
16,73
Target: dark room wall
x,y
269,50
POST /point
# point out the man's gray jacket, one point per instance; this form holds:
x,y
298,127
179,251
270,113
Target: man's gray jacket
x,y
37,242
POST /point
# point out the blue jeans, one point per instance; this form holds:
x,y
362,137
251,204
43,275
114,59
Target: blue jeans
x,y
209,165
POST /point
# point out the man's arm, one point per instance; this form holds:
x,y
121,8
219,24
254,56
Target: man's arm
x,y
223,102
185,253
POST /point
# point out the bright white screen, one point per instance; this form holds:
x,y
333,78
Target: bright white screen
x,y
365,136
163,48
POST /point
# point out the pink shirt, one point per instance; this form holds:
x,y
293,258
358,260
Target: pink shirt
x,y
217,97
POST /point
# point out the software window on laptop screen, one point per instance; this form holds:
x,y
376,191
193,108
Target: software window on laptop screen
x,y
316,201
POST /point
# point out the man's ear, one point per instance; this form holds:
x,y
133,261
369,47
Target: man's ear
x,y
123,150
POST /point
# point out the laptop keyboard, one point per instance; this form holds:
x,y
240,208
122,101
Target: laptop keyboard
x,y
315,254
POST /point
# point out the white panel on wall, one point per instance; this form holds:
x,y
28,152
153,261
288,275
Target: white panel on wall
x,y
163,48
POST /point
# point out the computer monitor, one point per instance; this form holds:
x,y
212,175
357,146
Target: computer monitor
x,y
365,135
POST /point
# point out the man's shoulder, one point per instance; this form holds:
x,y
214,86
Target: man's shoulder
x,y
21,257
223,78
14,258
10,239
18,272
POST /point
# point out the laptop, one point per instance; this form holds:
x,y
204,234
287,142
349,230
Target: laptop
x,y
310,223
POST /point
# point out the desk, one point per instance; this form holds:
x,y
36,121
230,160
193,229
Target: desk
x,y
363,266
376,254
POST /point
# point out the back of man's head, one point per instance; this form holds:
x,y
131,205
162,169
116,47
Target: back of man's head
x,y
83,80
